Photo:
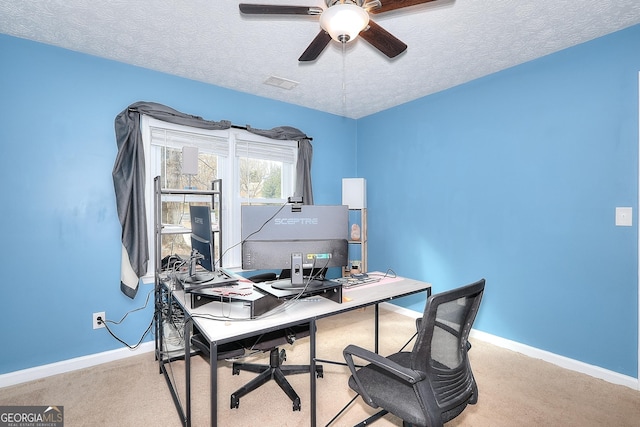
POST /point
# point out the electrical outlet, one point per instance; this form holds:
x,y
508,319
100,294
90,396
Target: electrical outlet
x,y
97,324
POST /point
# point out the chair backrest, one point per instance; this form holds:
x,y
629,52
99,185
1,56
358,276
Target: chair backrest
x,y
441,348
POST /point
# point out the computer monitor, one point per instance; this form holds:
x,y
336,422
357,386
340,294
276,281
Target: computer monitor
x,y
296,237
202,250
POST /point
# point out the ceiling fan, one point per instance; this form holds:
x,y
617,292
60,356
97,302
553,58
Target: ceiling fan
x,y
343,21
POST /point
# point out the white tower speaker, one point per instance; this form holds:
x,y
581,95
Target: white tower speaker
x,y
190,160
354,193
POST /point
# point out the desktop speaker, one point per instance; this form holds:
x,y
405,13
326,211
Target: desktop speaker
x,y
354,193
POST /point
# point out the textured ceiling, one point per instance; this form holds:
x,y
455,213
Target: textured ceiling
x,y
450,42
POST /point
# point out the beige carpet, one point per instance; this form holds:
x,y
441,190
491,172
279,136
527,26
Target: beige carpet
x,y
514,390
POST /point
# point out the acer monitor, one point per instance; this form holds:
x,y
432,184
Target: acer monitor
x,y
305,239
202,250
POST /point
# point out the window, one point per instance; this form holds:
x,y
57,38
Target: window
x,y
253,170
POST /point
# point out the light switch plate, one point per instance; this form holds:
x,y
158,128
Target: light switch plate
x,y
624,217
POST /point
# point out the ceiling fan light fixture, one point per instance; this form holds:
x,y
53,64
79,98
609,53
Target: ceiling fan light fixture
x,y
344,21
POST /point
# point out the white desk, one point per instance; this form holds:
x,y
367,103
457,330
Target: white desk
x,y
208,320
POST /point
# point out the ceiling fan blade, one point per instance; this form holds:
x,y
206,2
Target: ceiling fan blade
x,y
388,5
316,47
383,40
268,9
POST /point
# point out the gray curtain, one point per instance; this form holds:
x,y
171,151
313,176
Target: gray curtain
x,y
129,179
305,154
303,171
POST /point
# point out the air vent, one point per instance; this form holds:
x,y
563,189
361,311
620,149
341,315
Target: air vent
x,y
281,83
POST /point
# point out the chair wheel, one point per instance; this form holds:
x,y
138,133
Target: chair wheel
x,y
319,372
235,371
296,405
235,402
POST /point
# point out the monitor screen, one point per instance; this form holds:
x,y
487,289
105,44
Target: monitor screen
x,y
202,251
313,236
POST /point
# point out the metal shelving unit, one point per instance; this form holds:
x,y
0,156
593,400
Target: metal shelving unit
x,y
361,243
169,319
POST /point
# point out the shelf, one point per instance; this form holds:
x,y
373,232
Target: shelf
x,y
186,191
179,229
358,253
174,229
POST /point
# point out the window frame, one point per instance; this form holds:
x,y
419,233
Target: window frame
x,y
228,170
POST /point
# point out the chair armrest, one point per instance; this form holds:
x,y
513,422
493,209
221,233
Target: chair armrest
x,y
405,374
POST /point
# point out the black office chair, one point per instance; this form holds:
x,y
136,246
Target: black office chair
x,y
433,383
275,369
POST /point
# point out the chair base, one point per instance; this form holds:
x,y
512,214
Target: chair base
x,y
374,417
274,371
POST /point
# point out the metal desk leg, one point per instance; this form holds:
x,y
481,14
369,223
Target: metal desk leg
x,y
187,371
312,365
213,366
376,326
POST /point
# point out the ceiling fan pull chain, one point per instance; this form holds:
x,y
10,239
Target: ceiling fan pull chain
x,y
344,79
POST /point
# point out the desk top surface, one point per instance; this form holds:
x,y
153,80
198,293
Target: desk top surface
x,y
226,321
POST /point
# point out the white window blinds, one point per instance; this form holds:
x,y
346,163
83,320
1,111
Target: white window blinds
x,y
178,139
276,151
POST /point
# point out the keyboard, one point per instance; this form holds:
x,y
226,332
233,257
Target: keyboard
x,y
353,282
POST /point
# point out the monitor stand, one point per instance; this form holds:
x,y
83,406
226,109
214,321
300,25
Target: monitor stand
x,y
198,277
308,284
195,277
206,279
282,289
296,280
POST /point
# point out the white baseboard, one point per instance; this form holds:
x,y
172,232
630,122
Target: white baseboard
x,y
400,310
18,377
563,362
44,371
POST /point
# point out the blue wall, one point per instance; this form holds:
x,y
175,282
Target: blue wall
x,y
515,177
59,226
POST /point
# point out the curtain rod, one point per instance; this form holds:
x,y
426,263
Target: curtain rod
x,y
245,128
